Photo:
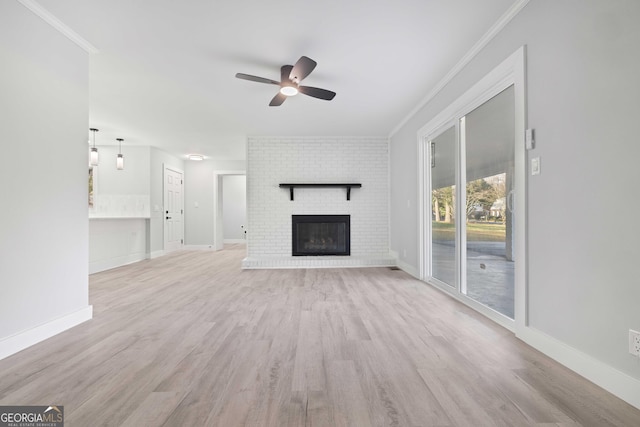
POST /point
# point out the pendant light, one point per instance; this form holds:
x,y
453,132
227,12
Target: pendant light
x,y
93,157
120,158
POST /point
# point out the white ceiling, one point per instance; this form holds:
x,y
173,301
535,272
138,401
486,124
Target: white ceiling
x,y
164,73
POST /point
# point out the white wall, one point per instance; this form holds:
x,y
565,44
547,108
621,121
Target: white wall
x,y
135,178
122,193
119,220
114,242
43,219
234,207
582,70
127,224
272,161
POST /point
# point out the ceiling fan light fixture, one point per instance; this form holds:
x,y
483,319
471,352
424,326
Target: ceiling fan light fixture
x,y
289,90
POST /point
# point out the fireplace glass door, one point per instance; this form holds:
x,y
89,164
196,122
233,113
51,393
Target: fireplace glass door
x,y
318,235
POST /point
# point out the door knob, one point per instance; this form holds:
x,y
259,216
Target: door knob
x,y
168,217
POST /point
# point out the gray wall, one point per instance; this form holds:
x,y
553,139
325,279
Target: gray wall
x,y
582,72
44,215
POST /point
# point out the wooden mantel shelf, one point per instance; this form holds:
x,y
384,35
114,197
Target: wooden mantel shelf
x,y
347,186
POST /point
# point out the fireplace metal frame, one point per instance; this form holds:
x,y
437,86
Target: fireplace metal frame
x,y
297,219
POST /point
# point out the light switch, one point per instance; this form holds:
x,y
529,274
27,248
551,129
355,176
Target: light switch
x,y
535,166
196,204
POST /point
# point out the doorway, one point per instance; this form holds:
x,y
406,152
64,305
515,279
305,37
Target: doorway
x,y
218,209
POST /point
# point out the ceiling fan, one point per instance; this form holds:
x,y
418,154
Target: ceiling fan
x,y
290,78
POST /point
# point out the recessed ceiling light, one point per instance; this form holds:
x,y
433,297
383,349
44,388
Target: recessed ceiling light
x,y
196,157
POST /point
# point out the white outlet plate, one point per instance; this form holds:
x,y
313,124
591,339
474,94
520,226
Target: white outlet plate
x,y
634,342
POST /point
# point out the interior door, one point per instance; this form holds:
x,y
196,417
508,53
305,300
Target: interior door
x,y
173,209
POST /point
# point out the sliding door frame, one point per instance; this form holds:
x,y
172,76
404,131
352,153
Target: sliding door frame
x,y
510,72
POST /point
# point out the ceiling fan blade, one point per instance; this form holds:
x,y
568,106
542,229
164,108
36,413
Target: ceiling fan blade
x,y
302,69
285,72
316,92
256,79
277,100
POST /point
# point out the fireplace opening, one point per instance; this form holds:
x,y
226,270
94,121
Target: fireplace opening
x,y
318,235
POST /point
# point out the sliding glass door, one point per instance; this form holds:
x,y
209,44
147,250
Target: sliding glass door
x,y
470,243
472,206
487,138
443,200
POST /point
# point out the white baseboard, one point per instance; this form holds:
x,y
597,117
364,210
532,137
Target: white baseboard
x,y
24,339
199,247
108,264
316,262
408,268
615,382
156,254
232,241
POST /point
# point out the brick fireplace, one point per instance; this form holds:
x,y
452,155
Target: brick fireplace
x,y
270,209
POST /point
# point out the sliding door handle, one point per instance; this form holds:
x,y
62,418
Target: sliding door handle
x,y
510,200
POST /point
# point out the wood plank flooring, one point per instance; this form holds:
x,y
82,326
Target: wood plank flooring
x,y
190,339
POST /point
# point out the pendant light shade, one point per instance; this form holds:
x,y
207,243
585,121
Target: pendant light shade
x,y
120,158
93,155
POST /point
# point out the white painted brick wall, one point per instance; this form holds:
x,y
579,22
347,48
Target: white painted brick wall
x,y
271,161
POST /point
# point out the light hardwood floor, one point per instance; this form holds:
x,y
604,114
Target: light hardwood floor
x,y
192,340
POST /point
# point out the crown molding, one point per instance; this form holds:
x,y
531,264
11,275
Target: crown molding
x,y
46,16
480,44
